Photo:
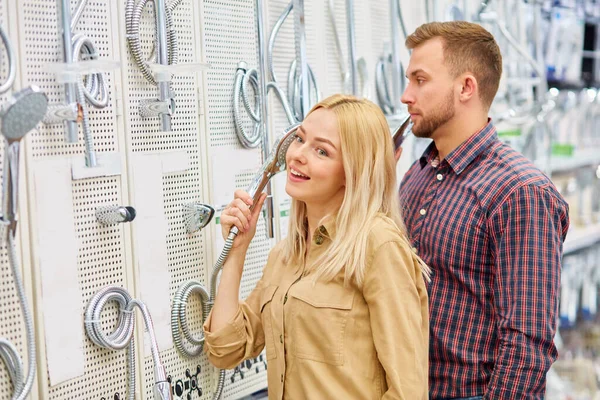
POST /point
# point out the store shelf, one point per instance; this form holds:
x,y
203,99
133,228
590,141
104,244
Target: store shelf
x,y
581,238
581,158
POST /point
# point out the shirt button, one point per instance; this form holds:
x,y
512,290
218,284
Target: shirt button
x,y
322,229
281,338
440,177
319,240
423,211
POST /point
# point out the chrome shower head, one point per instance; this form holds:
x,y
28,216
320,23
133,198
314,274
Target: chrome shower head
x,y
275,162
402,132
18,116
22,113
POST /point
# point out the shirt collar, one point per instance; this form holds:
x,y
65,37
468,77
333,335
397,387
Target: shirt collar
x,y
324,231
463,155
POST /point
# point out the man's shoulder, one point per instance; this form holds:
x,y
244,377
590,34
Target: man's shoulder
x,y
503,171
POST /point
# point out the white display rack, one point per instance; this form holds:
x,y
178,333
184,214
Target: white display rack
x,y
581,158
581,238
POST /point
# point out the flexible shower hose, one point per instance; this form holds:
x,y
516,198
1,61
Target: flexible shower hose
x,y
294,80
133,15
123,335
93,90
12,64
245,78
179,321
248,77
8,352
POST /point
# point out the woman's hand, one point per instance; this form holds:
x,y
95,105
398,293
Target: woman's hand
x,y
238,214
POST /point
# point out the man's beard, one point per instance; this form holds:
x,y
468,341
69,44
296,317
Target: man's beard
x,y
426,126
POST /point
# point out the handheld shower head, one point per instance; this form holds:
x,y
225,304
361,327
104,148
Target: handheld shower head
x,y
402,132
20,115
275,162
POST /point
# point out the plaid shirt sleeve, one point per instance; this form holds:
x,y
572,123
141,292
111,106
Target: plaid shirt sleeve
x,y
526,232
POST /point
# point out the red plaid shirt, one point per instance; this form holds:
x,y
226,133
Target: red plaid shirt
x,y
491,226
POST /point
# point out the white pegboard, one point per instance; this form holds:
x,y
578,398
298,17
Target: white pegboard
x,y
222,33
185,252
11,319
230,36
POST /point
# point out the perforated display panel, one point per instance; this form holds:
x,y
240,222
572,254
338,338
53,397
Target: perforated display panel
x,y
230,36
11,319
101,257
185,252
222,33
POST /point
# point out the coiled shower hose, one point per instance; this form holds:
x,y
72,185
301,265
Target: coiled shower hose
x,y
133,16
248,77
8,352
93,89
179,324
123,335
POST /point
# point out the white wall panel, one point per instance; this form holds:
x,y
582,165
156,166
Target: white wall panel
x,y
221,33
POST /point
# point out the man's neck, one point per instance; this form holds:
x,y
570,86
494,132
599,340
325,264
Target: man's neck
x,y
456,132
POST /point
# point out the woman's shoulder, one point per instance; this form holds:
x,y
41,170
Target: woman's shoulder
x,y
382,230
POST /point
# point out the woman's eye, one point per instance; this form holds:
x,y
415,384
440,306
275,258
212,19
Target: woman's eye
x,y
322,152
298,139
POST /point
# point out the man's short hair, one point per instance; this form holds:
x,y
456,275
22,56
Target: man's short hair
x,y
468,47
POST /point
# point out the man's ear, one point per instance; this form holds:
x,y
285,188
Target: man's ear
x,y
469,87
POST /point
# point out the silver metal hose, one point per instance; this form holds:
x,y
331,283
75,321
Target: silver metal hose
x,y
292,106
179,325
122,336
9,354
21,114
12,63
133,16
243,78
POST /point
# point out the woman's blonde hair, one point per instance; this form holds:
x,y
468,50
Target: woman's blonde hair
x,y
370,170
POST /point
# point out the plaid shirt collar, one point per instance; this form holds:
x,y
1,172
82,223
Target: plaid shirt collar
x,y
463,155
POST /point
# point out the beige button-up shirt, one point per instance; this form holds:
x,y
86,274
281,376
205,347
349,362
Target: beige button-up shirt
x,y
327,341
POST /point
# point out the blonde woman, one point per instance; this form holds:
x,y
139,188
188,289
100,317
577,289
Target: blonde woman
x,y
342,307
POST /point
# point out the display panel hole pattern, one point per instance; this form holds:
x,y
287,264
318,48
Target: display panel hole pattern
x,y
11,317
185,253
42,46
230,36
101,249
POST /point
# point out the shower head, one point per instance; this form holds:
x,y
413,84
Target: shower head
x,y
402,132
274,163
22,113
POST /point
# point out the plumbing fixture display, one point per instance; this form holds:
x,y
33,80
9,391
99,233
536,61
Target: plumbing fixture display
x,y
111,215
179,324
165,53
92,89
302,90
274,164
12,64
22,113
196,216
389,69
122,336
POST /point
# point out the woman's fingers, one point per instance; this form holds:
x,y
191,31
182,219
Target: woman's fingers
x,y
256,210
243,196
